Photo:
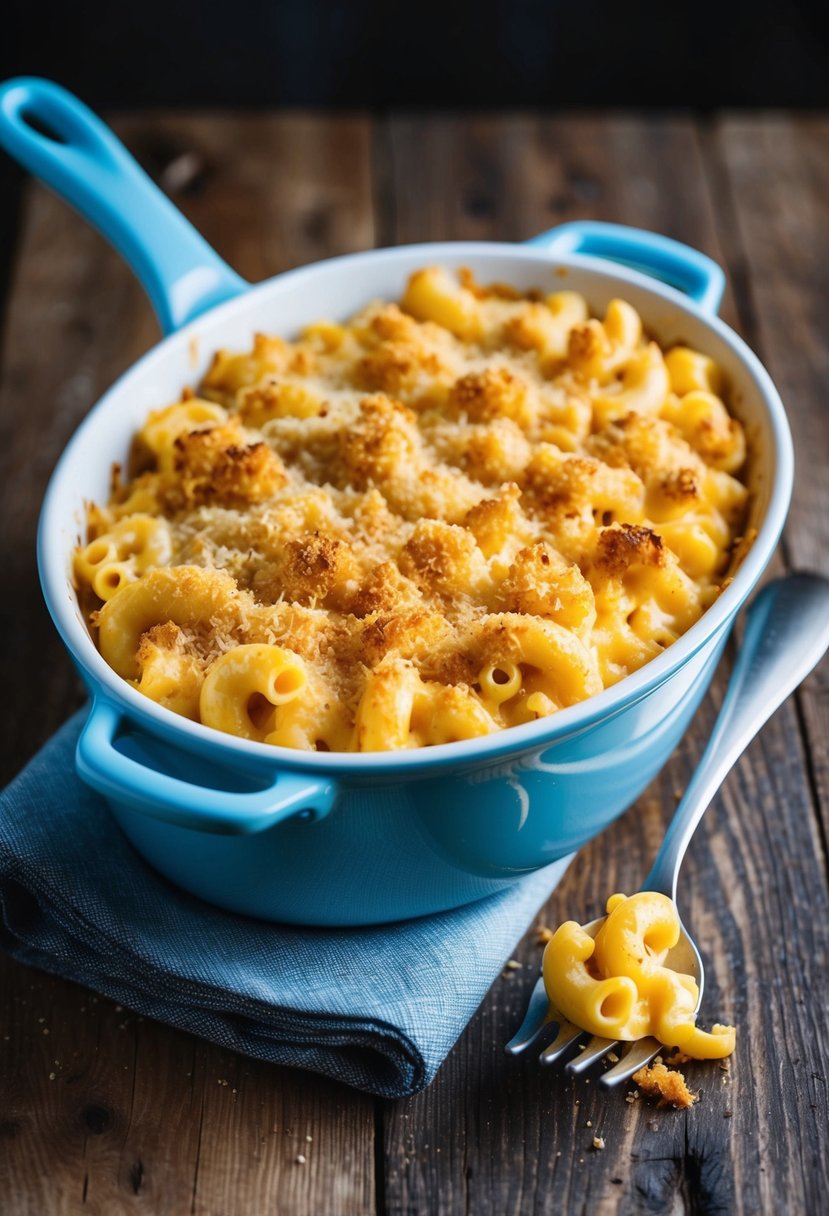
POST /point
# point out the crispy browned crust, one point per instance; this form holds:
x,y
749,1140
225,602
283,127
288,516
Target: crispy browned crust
x,y
484,291
681,486
540,582
384,590
216,466
658,1081
626,545
496,392
383,438
405,633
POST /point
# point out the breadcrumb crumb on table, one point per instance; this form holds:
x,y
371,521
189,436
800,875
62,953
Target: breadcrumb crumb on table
x,y
543,934
658,1081
598,1142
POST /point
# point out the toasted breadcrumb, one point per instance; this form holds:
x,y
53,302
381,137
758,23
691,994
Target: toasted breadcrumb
x,y
657,1080
598,1142
543,934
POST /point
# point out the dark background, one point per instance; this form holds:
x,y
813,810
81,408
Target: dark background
x,y
432,53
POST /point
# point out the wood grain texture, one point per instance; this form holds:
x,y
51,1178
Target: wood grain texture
x,y
142,1118
781,164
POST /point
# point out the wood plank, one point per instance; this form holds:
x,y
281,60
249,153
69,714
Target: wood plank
x,y
493,1135
135,1117
11,188
776,171
497,178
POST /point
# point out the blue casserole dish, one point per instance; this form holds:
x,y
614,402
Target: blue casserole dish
x,y
348,839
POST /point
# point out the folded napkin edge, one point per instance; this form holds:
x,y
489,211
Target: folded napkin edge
x,y
357,1054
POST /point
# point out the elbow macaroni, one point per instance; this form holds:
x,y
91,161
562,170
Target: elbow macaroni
x,y
435,521
617,985
123,553
246,687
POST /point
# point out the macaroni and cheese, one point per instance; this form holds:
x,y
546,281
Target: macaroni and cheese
x,y
617,985
444,517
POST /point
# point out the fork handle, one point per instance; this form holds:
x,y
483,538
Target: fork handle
x,y
786,633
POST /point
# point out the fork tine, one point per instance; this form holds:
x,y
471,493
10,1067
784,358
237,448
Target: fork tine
x,y
568,1033
639,1053
535,1019
595,1049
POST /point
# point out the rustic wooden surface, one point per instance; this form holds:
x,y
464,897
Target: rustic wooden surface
x,y
109,1113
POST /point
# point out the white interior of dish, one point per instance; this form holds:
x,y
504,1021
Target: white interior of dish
x,y
338,288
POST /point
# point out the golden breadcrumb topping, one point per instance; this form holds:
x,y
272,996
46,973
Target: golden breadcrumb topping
x,y
658,1081
444,517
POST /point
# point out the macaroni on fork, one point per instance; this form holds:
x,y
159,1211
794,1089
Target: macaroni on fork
x,y
618,985
445,517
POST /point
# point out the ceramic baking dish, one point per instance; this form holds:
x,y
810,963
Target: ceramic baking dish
x,y
346,839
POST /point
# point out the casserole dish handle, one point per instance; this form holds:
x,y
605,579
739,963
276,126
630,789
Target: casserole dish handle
x,y
62,142
141,786
678,265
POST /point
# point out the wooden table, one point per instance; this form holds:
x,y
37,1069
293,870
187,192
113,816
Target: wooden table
x,y
109,1113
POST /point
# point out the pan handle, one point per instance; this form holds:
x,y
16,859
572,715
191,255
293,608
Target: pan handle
x,y
61,141
661,257
139,780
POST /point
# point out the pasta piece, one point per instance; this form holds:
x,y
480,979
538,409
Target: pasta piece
x,y
710,430
122,553
552,661
540,582
641,389
229,373
432,295
447,714
163,427
384,715
244,689
400,710
168,672
617,985
597,350
546,327
500,682
691,371
279,398
188,596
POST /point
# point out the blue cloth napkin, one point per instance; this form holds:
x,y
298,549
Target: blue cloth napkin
x,y
378,1008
